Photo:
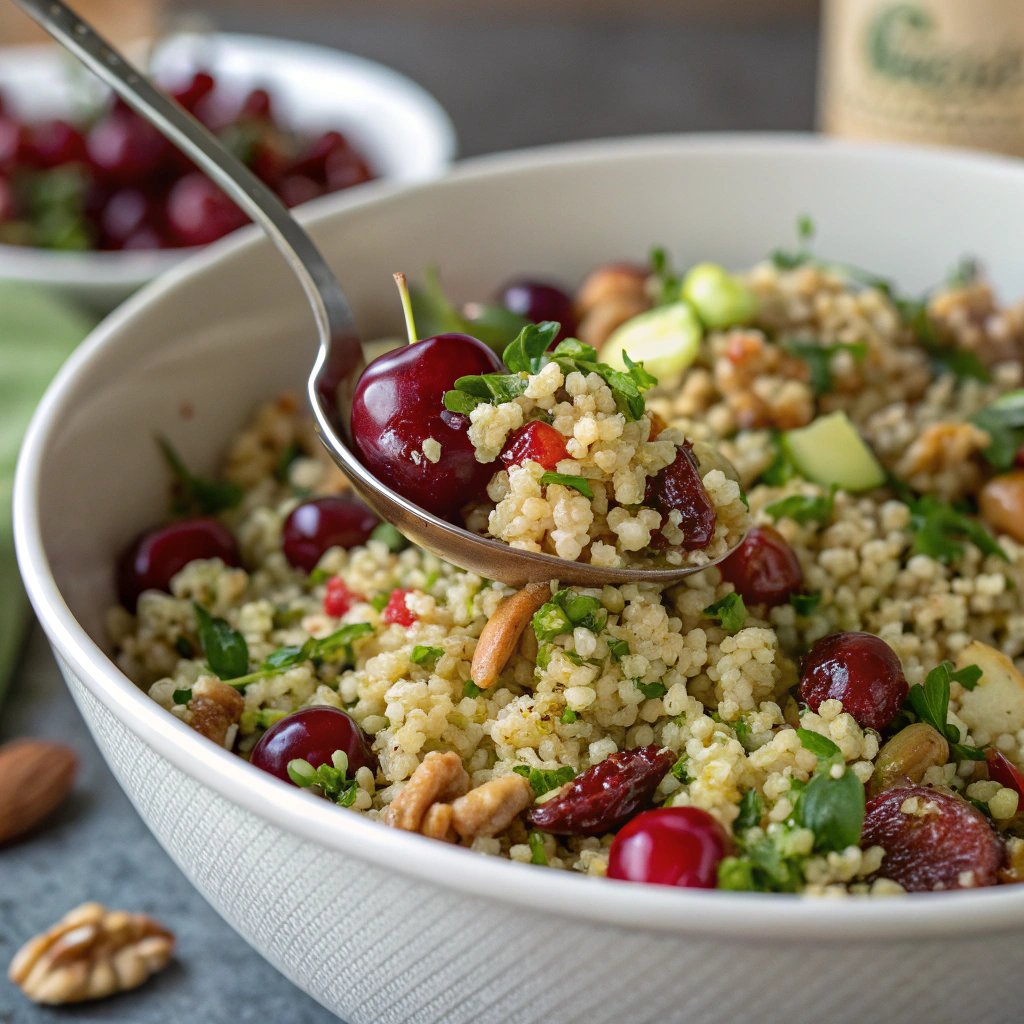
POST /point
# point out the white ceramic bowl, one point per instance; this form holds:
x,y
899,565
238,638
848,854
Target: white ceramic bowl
x,y
400,127
386,927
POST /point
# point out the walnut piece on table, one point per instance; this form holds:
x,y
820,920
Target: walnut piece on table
x,y
90,953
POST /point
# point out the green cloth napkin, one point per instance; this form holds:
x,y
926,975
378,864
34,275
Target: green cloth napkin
x,y
38,330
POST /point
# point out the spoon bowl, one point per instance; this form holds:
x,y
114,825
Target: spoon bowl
x,y
339,362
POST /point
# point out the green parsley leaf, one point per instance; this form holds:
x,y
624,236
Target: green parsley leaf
x,y
225,648
326,649
819,357
968,676
930,703
788,260
806,604
963,274
565,611
537,854
182,696
782,469
619,648
340,641
644,380
331,778
1003,421
421,655
380,601
579,483
742,730
751,810
194,494
945,358
679,770
833,809
821,746
730,611
183,647
736,874
651,691
568,716
803,509
526,352
543,780
669,282
938,529
387,535
284,462
318,576
471,690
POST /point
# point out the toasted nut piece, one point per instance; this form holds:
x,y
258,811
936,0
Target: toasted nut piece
x,y
1001,502
499,637
35,776
614,281
597,325
996,704
89,953
490,808
658,423
215,707
440,776
940,447
908,755
437,823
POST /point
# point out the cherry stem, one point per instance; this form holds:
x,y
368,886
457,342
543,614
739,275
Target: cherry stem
x,y
403,290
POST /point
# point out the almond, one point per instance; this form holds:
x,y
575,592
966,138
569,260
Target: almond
x,y
35,776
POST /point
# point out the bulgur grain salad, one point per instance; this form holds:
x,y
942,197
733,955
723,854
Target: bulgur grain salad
x,y
837,708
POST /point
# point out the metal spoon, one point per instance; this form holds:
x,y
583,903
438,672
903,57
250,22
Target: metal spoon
x,y
340,360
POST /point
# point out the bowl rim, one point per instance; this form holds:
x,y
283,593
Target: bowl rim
x,y
120,269
748,916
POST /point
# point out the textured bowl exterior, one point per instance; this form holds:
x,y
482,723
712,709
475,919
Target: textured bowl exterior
x,y
383,926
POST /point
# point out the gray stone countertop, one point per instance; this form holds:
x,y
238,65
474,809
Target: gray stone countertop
x,y
522,82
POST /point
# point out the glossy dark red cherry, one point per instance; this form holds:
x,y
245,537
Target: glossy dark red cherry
x,y
13,141
313,735
198,212
197,89
537,301
678,487
764,569
124,215
123,148
1002,770
399,404
670,846
938,842
536,441
53,143
859,669
159,554
316,526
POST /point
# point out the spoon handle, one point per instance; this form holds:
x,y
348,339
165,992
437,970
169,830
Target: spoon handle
x,y
333,315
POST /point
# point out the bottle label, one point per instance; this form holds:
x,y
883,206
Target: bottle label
x,y
936,71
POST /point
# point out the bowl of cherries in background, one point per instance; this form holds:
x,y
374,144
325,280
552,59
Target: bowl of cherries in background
x,y
94,201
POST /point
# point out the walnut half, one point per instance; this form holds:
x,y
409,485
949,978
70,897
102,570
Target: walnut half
x,y
89,953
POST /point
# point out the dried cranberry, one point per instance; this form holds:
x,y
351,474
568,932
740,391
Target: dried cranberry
x,y
859,669
339,599
159,554
942,843
314,527
670,846
537,301
678,488
605,795
1002,770
535,440
396,610
764,569
312,735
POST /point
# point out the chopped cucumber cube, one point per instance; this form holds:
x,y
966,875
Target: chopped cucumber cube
x,y
830,451
720,299
665,339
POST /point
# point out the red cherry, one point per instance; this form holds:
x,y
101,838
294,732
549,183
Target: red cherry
x,y
297,189
13,141
537,301
679,488
764,569
345,168
124,214
859,669
313,735
398,405
339,599
157,555
670,846
257,105
53,143
199,88
145,238
198,212
949,845
537,441
396,610
1002,770
6,200
269,164
313,162
125,149
314,527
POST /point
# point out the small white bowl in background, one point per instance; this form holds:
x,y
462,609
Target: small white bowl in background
x,y
404,133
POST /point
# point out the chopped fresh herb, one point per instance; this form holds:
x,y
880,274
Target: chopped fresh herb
x,y
751,810
488,388
421,655
819,357
182,696
565,611
730,611
568,716
285,617
183,647
821,746
1003,421
194,494
938,529
494,325
318,576
782,469
742,730
471,689
537,854
526,354
331,778
736,874
945,358
576,659
806,604
963,274
766,863
619,648
803,509
788,260
225,648
651,691
669,282
980,804
930,703
679,771
745,499
577,482
266,717
284,462
380,601
387,535
833,809
543,780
